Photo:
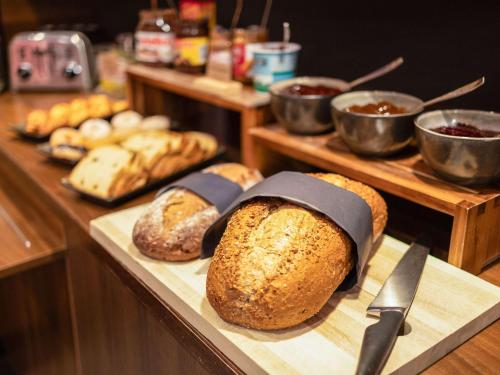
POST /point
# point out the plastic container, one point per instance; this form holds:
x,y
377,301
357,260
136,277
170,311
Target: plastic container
x,y
273,62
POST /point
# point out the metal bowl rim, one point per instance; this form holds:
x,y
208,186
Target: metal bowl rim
x,y
275,92
364,115
447,136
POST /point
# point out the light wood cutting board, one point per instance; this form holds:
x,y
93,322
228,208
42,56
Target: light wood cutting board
x,y
450,307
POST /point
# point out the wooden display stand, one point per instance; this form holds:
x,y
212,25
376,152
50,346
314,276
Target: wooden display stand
x,y
251,105
475,238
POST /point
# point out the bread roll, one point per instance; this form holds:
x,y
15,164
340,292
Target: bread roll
x,y
173,226
277,263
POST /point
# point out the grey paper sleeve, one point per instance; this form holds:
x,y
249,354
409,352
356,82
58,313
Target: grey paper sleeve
x,y
349,211
217,190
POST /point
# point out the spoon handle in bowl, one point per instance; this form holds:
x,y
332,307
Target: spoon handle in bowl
x,y
377,73
457,92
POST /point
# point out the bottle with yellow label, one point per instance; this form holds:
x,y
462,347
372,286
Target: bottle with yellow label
x,y
191,46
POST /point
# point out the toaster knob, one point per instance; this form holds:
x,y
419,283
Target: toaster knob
x,y
72,70
24,71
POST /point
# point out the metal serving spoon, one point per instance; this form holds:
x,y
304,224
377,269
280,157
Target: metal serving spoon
x,y
456,93
377,73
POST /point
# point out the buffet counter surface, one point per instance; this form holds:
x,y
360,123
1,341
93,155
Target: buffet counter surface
x,y
478,355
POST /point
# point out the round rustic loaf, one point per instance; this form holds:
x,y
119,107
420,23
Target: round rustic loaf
x,y
277,263
173,226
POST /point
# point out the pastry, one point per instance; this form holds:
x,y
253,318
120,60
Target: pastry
x,y
66,136
36,121
99,106
58,117
172,227
78,117
126,120
206,142
153,146
78,105
119,106
68,152
277,264
95,129
109,171
158,122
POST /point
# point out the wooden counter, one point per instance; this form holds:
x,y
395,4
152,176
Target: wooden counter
x,y
119,325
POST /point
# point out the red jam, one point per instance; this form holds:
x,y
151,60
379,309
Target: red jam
x,y
302,90
466,130
380,108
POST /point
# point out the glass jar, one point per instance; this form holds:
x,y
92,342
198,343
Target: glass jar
x,y
155,38
243,46
198,10
192,46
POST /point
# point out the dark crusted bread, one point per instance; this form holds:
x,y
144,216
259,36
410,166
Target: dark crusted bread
x,y
277,264
172,227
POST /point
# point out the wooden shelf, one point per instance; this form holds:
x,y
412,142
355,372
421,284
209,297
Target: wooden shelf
x,y
186,85
476,211
146,85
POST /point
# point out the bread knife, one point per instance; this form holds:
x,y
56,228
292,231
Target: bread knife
x,y
391,305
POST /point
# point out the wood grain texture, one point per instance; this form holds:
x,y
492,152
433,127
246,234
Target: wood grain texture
x,y
42,181
35,325
450,306
476,211
185,85
123,328
24,215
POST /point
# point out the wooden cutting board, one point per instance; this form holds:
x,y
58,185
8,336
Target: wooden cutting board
x,y
450,307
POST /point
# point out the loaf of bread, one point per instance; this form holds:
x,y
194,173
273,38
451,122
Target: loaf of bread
x,y
277,263
173,226
109,171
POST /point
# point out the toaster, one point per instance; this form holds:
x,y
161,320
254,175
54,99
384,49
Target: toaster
x,y
51,60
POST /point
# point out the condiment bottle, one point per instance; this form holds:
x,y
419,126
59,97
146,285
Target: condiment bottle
x,y
155,38
191,46
243,46
198,10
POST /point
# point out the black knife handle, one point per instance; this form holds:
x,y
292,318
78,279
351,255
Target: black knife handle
x,y
378,342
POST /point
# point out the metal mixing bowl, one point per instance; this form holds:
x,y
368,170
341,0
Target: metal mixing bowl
x,y
464,160
375,135
304,114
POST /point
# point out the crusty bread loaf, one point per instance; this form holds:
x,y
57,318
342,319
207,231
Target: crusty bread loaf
x,y
277,263
173,226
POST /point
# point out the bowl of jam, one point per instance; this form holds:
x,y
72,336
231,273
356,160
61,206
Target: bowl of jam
x,y
461,146
302,105
375,123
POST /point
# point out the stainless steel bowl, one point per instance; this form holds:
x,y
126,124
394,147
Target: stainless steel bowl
x,y
375,135
463,160
304,114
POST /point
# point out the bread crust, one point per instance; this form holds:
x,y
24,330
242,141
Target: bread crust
x,y
172,227
277,263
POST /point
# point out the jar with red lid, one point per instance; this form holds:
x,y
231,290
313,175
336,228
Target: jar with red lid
x,y
198,10
155,38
